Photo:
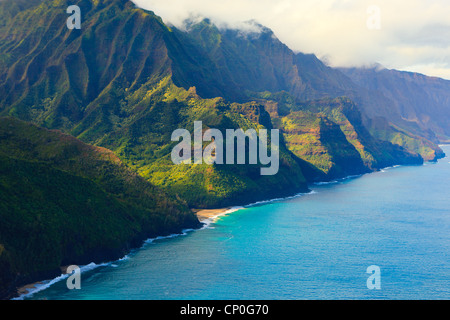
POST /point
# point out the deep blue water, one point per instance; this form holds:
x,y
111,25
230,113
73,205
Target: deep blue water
x,y
316,246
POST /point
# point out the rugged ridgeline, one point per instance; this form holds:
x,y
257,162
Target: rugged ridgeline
x,y
329,134
257,61
110,84
422,103
124,83
64,202
124,70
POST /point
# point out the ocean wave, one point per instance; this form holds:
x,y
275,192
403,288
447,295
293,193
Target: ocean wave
x,y
351,177
47,283
391,167
321,183
209,221
207,224
184,232
263,202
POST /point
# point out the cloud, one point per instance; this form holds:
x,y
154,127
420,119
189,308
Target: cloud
x,y
412,35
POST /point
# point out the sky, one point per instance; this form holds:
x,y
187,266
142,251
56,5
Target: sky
x,y
412,35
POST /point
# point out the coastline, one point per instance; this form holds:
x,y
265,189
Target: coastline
x,y
32,287
210,214
206,218
28,288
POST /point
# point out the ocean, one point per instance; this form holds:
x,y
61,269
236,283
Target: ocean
x,y
313,246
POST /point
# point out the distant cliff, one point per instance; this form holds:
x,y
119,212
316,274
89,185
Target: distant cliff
x,y
422,102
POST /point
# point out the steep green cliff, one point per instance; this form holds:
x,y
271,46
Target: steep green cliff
x,y
64,202
330,135
118,88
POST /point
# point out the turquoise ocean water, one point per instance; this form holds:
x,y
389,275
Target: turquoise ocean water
x,y
315,246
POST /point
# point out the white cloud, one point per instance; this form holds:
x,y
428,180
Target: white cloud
x,y
414,35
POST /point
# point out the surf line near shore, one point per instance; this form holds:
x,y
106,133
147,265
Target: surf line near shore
x,y
208,216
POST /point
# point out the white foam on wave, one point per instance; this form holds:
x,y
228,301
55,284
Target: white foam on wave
x,y
391,167
351,177
258,203
183,233
126,257
321,183
207,223
47,283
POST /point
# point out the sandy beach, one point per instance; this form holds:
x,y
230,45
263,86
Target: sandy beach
x,y
204,214
30,287
26,288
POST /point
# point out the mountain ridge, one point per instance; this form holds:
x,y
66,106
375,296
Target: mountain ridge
x,y
304,76
118,88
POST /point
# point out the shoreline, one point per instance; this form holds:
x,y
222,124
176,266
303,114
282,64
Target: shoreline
x,y
205,216
28,288
210,214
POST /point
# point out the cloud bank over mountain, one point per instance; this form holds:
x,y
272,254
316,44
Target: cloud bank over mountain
x,y
412,36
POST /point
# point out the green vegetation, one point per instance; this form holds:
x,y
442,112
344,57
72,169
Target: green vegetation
x,y
64,202
89,175
147,149
330,136
374,153
381,129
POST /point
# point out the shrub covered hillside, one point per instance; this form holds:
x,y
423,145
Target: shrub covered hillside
x,y
126,80
87,118
64,202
